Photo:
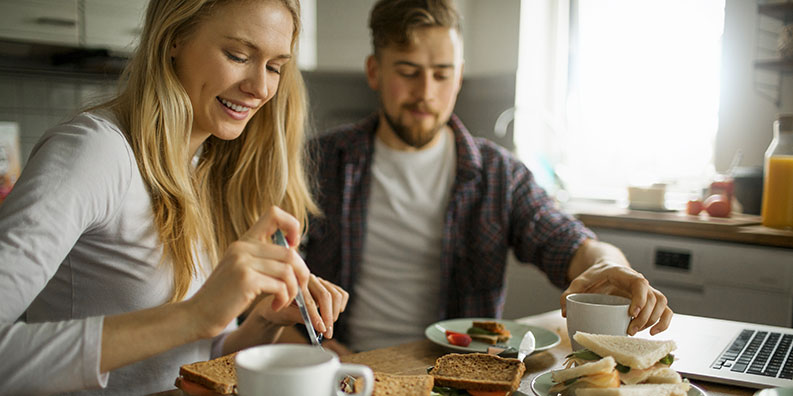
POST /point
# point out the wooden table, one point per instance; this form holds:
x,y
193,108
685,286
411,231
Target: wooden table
x,y
415,357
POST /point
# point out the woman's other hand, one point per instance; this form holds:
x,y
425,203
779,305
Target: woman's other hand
x,y
324,301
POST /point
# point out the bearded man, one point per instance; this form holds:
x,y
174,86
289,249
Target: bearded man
x,y
419,215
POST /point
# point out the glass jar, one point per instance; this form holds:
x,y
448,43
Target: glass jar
x,y
777,209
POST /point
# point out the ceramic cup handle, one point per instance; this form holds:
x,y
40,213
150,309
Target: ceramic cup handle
x,y
356,370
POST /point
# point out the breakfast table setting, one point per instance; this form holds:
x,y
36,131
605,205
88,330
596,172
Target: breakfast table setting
x,y
549,341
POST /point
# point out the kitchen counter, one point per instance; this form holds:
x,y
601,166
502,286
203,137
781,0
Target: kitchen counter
x,y
738,228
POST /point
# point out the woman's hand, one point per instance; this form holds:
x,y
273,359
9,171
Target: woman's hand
x,y
648,305
324,301
251,267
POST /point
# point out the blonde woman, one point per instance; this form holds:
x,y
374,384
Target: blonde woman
x,y
141,229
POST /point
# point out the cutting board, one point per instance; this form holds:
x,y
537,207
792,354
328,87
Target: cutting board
x,y
679,219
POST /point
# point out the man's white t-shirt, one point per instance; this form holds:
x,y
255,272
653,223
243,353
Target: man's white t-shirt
x,y
397,285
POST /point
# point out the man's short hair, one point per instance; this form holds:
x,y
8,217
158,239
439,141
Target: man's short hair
x,y
393,22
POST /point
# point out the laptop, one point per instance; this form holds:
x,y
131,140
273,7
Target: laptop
x,y
730,352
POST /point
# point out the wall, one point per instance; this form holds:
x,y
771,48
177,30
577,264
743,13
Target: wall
x,y
490,32
745,113
38,101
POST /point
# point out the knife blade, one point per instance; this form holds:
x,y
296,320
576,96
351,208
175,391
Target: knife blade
x,y
527,345
301,302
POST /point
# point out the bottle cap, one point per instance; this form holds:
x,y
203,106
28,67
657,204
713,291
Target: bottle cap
x,y
785,122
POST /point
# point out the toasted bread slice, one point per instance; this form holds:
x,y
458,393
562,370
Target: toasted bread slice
x,y
602,366
398,385
680,389
478,371
633,352
218,375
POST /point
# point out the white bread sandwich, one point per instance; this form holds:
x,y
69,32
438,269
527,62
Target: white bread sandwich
x,y
489,332
595,374
680,389
477,373
209,378
638,360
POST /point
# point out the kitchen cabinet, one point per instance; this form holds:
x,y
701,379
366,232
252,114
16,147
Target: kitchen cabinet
x,y
113,24
712,278
45,21
105,24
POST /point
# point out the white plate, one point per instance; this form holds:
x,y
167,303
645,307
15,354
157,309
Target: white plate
x,y
775,392
542,383
436,333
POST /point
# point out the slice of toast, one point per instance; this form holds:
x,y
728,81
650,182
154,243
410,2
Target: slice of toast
x,y
478,371
399,385
218,375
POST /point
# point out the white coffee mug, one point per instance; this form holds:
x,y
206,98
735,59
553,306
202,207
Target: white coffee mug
x,y
597,314
295,370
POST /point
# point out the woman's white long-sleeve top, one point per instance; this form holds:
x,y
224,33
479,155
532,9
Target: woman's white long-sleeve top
x,y
78,243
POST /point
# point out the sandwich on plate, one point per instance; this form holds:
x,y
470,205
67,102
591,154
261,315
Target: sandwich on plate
x,y
638,360
489,332
619,365
209,378
476,374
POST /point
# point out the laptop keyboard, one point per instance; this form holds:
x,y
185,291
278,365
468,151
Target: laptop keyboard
x,y
760,353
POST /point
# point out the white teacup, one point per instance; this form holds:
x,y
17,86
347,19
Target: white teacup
x,y
597,314
295,370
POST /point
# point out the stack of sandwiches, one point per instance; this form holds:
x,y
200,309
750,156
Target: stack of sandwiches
x,y
620,366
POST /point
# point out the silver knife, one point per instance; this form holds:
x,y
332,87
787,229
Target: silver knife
x,y
301,302
527,345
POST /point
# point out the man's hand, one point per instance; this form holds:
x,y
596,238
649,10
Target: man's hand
x,y
599,267
648,305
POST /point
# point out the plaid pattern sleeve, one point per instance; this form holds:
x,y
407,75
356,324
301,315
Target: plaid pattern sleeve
x,y
542,234
496,205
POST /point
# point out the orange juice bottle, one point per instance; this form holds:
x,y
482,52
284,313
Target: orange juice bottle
x,y
777,209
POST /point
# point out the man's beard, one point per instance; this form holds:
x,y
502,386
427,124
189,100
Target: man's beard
x,y
411,137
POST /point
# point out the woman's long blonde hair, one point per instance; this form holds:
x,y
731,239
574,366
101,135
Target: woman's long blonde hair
x,y
205,208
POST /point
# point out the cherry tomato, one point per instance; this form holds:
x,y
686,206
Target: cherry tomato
x,y
694,206
717,205
458,339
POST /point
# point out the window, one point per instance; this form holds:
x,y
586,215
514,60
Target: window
x,y
627,94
